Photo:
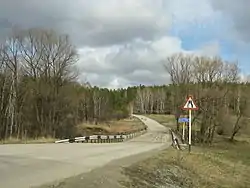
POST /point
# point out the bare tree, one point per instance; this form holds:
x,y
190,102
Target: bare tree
x,y
207,70
179,67
241,109
11,55
209,79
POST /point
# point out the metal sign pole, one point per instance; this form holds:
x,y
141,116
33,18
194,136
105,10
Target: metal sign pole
x,y
190,130
190,105
183,131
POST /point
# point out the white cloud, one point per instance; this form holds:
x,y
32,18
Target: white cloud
x,y
239,15
138,62
120,43
211,48
191,11
92,23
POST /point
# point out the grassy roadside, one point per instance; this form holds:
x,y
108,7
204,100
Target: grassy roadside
x,y
166,120
41,140
111,127
224,164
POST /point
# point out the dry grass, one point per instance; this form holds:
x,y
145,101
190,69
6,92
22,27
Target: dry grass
x,y
112,127
225,165
41,140
166,120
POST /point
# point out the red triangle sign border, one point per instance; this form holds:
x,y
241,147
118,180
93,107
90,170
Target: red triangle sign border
x,y
191,102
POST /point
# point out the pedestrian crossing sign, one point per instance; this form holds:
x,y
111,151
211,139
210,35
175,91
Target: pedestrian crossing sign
x,y
190,105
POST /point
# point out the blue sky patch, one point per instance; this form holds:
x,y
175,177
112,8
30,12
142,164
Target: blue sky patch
x,y
194,36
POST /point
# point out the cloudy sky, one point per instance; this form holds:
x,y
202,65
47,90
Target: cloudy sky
x,y
121,42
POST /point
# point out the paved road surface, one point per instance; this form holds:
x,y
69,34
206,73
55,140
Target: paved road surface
x,y
23,166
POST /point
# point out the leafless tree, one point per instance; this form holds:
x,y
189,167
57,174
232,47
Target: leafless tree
x,y
180,68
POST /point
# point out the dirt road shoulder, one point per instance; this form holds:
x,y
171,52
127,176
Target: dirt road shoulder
x,y
108,176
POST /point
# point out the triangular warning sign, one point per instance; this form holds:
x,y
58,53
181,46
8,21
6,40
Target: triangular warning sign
x,y
190,105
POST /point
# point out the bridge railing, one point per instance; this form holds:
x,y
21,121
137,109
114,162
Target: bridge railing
x,y
175,139
104,138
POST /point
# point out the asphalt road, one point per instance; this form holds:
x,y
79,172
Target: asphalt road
x,y
24,166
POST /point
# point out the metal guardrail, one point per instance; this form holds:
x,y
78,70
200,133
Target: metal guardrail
x,y
103,138
175,140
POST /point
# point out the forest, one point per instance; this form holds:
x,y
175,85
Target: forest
x,y
219,92
41,97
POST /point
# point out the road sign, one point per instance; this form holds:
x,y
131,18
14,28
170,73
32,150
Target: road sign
x,y
190,105
183,120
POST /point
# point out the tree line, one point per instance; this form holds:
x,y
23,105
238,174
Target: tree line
x,y
215,84
39,92
40,95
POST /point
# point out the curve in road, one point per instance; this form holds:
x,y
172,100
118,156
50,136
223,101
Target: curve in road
x,y
29,165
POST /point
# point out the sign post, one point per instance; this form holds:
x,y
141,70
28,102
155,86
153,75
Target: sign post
x,y
183,121
190,130
177,116
190,105
183,131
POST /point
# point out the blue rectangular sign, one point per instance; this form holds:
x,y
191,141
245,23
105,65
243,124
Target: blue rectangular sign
x,y
183,120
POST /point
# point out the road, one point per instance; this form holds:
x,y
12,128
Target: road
x,y
30,165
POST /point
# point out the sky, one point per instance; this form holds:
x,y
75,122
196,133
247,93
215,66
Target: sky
x,y
122,43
